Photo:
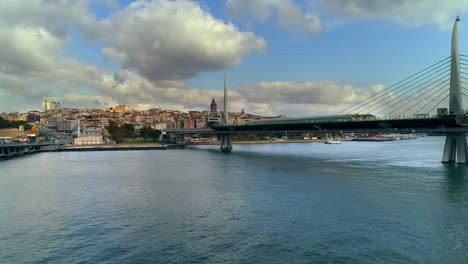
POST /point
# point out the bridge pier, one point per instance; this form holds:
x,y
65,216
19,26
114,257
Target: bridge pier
x,y
456,148
226,143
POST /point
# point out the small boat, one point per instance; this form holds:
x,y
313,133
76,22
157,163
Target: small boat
x,y
333,141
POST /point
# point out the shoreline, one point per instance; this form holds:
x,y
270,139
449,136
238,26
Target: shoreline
x,y
158,146
121,147
266,142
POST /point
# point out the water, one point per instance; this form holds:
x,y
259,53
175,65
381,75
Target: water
x,y
357,202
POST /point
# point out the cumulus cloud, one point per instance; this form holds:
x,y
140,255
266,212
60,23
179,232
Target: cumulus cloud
x,y
155,60
303,98
54,16
88,101
406,12
290,15
171,40
295,15
311,92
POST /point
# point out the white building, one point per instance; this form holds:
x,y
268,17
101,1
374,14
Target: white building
x,y
50,105
90,136
88,140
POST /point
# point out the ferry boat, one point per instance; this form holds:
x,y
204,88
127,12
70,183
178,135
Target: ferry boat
x,y
333,141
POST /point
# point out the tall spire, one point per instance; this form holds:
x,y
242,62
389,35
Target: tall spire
x,y
225,103
456,105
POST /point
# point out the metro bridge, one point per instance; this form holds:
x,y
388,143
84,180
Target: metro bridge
x,y
414,98
420,125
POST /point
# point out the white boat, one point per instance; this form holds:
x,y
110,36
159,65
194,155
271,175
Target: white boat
x,y
333,141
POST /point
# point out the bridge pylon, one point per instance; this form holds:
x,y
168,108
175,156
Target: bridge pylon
x,y
456,147
226,142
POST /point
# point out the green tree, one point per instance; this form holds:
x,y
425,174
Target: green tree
x,y
14,124
115,131
128,130
149,133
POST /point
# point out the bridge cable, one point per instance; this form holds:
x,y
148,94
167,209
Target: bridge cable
x,y
443,87
393,87
244,106
402,82
220,105
406,92
241,106
408,96
382,97
424,106
439,103
236,108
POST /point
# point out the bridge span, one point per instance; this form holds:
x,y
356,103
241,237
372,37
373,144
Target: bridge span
x,y
18,149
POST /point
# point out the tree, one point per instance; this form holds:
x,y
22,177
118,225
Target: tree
x,y
128,130
149,133
14,124
115,131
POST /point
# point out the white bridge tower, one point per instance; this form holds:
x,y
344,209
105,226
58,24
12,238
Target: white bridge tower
x,y
226,143
456,148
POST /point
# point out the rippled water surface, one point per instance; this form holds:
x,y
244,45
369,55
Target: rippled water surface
x,y
357,202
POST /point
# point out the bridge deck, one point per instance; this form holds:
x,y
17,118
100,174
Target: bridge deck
x,y
435,123
446,124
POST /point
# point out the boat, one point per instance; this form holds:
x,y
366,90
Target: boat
x,y
333,141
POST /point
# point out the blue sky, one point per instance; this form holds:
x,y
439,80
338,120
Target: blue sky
x,y
347,43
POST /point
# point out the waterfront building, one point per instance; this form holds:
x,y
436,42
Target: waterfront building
x,y
89,136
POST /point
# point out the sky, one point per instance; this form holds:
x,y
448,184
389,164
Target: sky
x,y
293,57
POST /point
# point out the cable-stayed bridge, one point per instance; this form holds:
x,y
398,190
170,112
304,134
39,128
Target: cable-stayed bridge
x,y
428,101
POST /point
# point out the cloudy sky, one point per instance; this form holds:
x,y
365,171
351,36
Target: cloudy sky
x,y
297,57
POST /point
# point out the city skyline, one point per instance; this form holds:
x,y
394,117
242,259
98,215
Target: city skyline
x,y
280,57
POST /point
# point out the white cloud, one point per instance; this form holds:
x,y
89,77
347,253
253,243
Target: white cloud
x,y
290,15
173,40
302,98
311,92
87,101
158,43
378,87
405,12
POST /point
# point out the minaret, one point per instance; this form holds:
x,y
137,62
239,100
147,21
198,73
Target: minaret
x,y
456,104
456,147
78,133
225,103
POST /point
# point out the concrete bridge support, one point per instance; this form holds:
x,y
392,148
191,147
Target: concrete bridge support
x,y
226,143
456,148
